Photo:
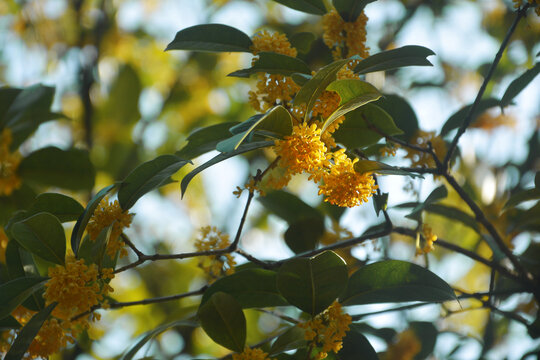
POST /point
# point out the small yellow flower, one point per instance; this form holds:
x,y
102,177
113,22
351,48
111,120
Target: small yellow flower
x,y
273,42
340,35
389,150
9,163
327,329
343,186
250,186
107,214
429,238
251,354
406,347
423,159
49,340
214,266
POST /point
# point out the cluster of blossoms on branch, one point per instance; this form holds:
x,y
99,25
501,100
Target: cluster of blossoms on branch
x,y
214,266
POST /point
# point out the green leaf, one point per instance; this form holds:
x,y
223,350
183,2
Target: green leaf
x,y
251,288
314,87
28,333
291,339
277,121
19,199
449,212
526,195
402,114
288,206
274,63
42,235
368,166
436,195
312,284
428,333
355,343
93,251
122,104
300,79
65,208
357,129
204,140
302,41
410,55
80,225
14,292
395,281
211,37
9,323
519,84
380,202
149,335
219,158
353,93
304,234
457,118
350,9
315,7
223,320
147,177
69,169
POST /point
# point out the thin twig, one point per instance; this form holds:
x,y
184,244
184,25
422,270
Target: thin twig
x,y
253,259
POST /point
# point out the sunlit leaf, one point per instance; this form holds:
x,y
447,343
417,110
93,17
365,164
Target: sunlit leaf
x,y
222,318
395,281
312,284
211,37
28,333
205,139
315,7
250,287
410,55
350,9
274,63
43,235
519,84
69,169
14,292
147,177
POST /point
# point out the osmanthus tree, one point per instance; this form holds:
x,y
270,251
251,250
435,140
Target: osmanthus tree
x,y
326,121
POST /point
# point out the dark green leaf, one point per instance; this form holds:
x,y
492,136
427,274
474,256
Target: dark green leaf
x,y
427,333
519,84
9,323
28,333
147,177
42,235
300,79
122,105
80,225
93,251
449,212
302,41
457,118
526,195
19,199
350,9
205,139
315,7
69,169
276,121
314,87
367,166
7,97
63,207
395,281
219,158
14,292
291,339
250,287
410,55
211,37
274,63
149,335
402,114
380,202
356,343
288,206
357,130
436,195
223,320
14,262
353,94
312,284
304,234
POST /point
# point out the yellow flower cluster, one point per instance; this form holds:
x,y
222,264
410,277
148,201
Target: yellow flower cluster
x,y
519,3
429,238
389,150
272,89
345,38
423,159
250,186
327,329
107,214
49,340
3,245
9,162
251,354
406,347
343,186
214,266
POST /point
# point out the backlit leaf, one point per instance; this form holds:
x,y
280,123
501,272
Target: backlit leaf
x,y
519,84
65,208
289,207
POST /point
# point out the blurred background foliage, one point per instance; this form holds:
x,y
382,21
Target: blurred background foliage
x,y
127,101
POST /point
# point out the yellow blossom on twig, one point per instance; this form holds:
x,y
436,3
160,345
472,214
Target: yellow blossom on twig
x,y
9,162
345,38
429,239
251,354
423,159
214,266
